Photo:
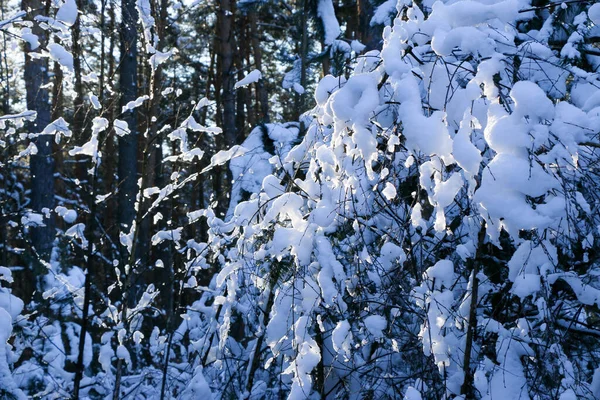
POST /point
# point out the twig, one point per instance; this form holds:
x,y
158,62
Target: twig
x,y
553,5
465,389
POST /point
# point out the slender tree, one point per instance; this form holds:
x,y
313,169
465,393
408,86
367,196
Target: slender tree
x,y
261,90
79,111
226,98
128,144
42,163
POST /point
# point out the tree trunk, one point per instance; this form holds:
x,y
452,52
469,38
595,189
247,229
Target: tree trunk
x,y
106,174
109,103
261,90
238,43
42,163
225,37
368,35
127,169
160,178
58,109
128,152
299,98
78,125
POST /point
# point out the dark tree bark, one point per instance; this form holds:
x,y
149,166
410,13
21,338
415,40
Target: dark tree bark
x,y
303,51
368,35
128,154
58,99
79,111
109,101
128,144
225,20
42,163
58,109
226,38
241,93
261,90
158,174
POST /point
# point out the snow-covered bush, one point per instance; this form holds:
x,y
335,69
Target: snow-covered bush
x,y
434,231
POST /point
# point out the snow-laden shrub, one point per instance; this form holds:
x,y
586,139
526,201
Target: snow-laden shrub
x,y
435,230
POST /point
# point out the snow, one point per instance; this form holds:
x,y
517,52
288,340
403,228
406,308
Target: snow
x,y
307,359
389,254
568,394
342,339
426,134
252,77
389,191
586,294
69,216
134,103
466,154
123,354
106,352
293,76
324,214
442,273
298,88
445,191
412,394
325,87
198,387
376,324
121,127
95,102
6,275
330,23
12,305
594,14
471,13
61,56
356,100
531,101
29,37
145,17
250,169
57,128
90,148
67,13
91,77
224,156
384,13
526,285
469,140
509,379
77,231
7,383
32,219
161,236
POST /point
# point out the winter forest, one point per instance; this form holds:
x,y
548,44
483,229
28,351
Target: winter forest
x,y
299,199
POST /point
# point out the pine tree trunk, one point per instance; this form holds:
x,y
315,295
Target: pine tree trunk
x,y
261,90
110,154
160,178
128,153
78,125
227,98
368,35
243,92
303,58
42,163
58,109
128,144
